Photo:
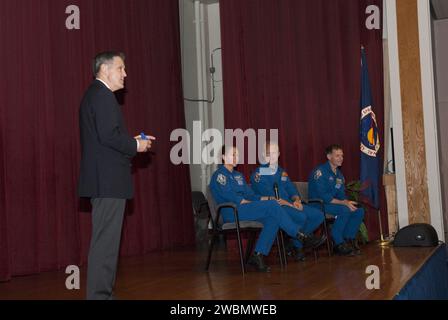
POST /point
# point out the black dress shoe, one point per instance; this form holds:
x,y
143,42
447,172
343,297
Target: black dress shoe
x,y
256,260
290,249
299,255
343,250
353,244
302,237
311,241
320,241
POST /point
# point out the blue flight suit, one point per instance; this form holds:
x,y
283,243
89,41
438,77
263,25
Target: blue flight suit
x,y
227,186
263,179
324,184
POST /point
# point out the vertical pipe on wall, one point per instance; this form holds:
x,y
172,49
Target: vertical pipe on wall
x,y
199,61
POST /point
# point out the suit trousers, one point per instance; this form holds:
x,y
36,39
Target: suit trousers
x,y
107,221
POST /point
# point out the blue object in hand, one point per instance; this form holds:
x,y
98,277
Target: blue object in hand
x,y
143,136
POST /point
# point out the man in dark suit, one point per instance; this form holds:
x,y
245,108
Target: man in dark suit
x,y
105,173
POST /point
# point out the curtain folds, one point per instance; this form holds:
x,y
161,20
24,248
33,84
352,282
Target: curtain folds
x,y
46,69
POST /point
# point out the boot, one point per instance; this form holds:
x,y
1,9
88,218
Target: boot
x,y
289,248
343,250
311,241
299,255
256,260
354,246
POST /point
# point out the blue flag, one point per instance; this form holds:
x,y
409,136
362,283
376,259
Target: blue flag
x,y
369,138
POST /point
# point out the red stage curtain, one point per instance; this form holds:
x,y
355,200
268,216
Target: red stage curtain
x,y
294,65
46,69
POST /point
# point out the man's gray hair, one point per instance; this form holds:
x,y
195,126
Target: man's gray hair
x,y
105,58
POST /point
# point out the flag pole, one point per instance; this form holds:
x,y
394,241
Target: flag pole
x,y
382,242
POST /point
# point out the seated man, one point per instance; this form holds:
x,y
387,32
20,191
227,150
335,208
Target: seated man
x,y
270,175
228,185
326,182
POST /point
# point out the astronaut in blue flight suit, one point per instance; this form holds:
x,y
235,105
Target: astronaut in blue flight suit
x,y
327,183
263,180
228,185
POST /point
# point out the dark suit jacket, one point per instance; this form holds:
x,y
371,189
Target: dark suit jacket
x,y
106,146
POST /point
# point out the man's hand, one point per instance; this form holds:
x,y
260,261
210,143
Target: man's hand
x,y
298,205
351,205
144,145
283,202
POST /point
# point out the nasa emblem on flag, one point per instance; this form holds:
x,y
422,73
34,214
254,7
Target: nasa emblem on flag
x,y
370,141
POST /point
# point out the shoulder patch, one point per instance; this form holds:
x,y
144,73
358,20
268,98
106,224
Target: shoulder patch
x,y
221,179
317,174
257,177
284,174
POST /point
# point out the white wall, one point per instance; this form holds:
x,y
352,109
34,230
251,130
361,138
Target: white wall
x,y
214,33
430,116
441,75
388,118
200,35
189,76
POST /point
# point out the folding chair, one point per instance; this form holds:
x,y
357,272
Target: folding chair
x,y
219,227
302,187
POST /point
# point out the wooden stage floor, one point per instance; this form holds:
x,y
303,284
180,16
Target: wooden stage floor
x,y
179,275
